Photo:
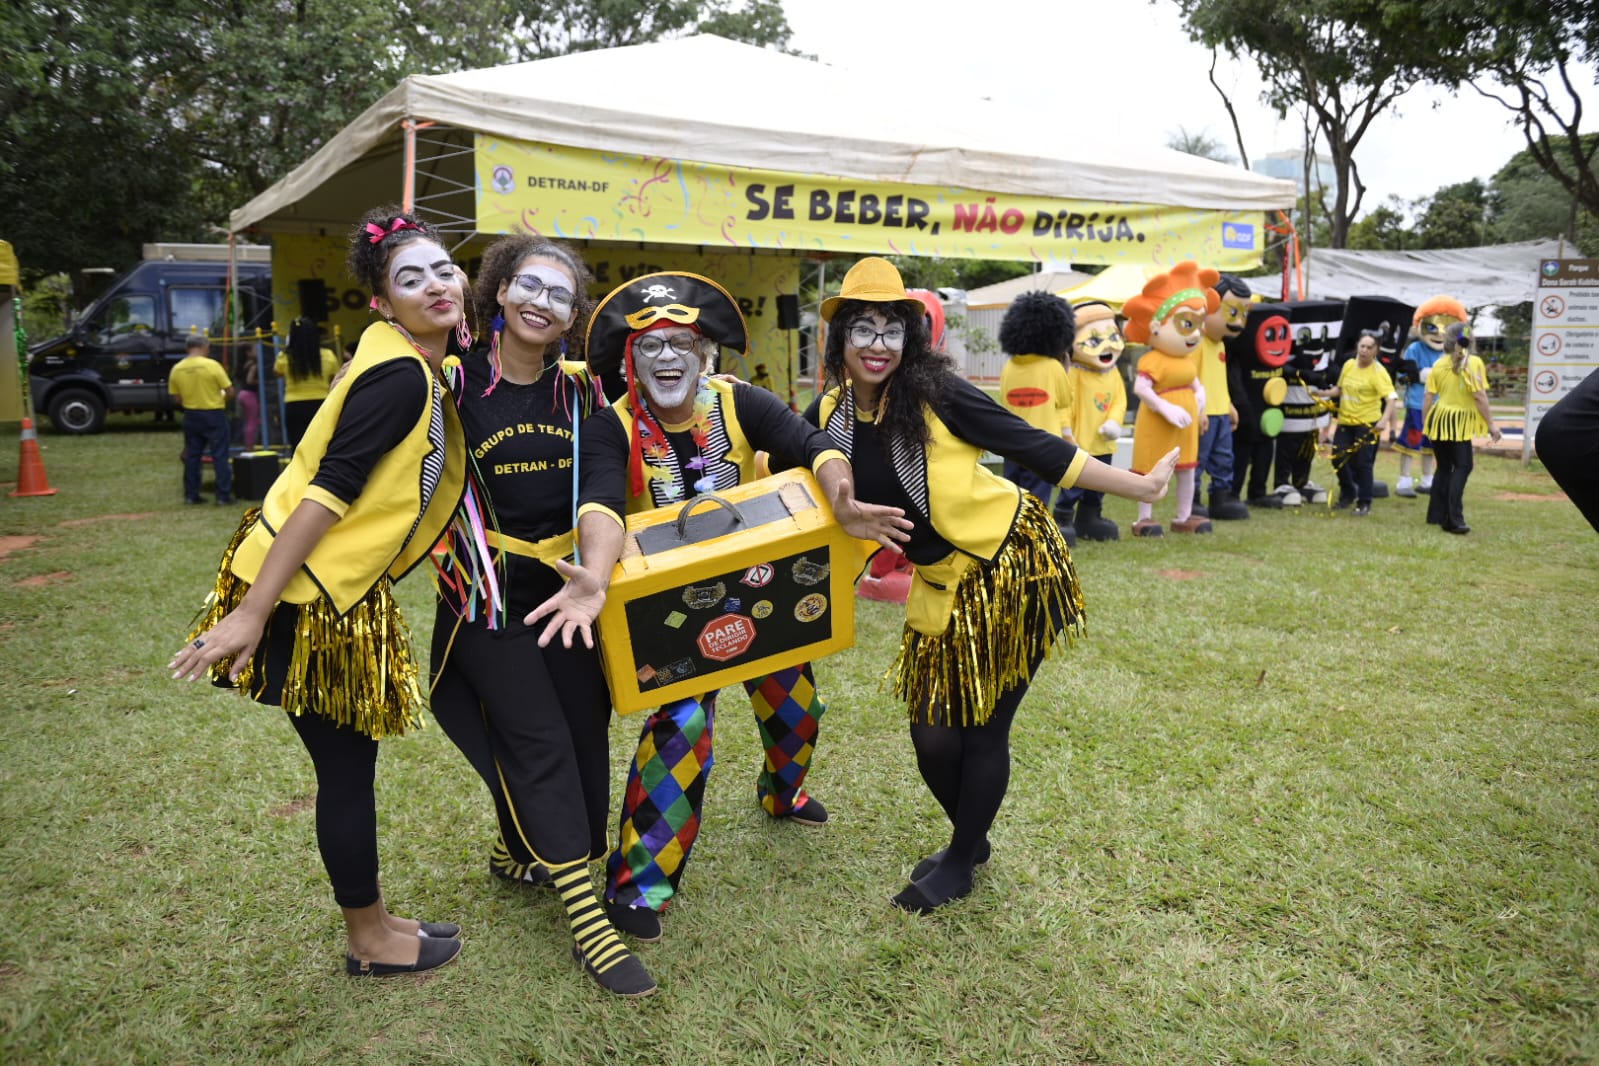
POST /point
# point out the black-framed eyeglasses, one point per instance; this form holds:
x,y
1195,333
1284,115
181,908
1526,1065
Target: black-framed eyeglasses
x,y
525,288
862,335
652,344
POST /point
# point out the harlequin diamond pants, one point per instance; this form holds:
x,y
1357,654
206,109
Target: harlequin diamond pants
x,y
666,783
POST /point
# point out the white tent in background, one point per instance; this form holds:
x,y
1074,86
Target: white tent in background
x,y
1489,276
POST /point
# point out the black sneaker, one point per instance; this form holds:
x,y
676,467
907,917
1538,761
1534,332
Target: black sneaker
x,y
192,500
1362,510
809,812
640,923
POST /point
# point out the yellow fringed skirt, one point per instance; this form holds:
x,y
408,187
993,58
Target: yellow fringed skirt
x,y
356,670
1003,618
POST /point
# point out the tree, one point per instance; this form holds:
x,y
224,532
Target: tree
x,y
1528,203
1524,54
1201,144
136,120
1382,229
1456,216
1343,60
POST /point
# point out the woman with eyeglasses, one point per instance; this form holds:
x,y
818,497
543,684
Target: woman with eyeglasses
x,y
533,721
1455,410
994,586
302,615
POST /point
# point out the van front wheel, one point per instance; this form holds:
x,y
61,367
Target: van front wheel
x,y
77,411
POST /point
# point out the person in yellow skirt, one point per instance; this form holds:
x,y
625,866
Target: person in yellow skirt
x,y
302,615
994,587
1454,411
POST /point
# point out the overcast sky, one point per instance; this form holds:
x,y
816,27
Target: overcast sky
x,y
1136,57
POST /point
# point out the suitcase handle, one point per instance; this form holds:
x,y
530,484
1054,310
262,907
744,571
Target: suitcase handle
x,y
682,516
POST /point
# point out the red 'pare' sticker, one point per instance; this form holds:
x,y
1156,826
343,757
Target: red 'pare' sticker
x,y
727,637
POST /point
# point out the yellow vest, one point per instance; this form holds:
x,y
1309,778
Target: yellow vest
x,y
379,534
969,505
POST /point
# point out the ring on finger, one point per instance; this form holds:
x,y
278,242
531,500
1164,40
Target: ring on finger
x,y
198,643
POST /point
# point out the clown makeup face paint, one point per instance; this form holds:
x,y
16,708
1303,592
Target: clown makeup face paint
x,y
666,366
1179,334
425,292
538,300
1433,328
870,367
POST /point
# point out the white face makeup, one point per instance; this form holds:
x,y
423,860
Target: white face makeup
x,y
668,376
425,292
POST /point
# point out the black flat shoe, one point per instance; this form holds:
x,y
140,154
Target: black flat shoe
x,y
439,930
917,900
925,867
627,978
1457,529
431,955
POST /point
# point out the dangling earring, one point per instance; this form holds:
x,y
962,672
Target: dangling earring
x,y
463,334
495,327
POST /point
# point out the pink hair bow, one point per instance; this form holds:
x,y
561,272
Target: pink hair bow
x,y
377,232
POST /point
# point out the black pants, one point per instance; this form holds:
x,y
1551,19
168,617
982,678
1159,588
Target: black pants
x,y
1355,471
1252,454
1455,460
1294,453
534,723
1568,446
346,807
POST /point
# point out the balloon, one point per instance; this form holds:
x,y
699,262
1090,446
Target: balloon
x,y
1271,420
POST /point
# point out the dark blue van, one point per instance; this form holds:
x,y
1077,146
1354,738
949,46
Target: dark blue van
x,y
120,350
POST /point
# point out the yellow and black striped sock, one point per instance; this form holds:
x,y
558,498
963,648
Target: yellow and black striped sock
x,y
591,930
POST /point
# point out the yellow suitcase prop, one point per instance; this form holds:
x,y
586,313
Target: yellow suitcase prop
x,y
727,587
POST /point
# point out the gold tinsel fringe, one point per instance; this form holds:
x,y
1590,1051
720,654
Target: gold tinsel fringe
x,y
357,670
1003,616
1454,424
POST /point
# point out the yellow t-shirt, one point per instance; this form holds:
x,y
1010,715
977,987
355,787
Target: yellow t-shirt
x,y
297,389
1454,415
1213,376
1036,389
199,383
1361,393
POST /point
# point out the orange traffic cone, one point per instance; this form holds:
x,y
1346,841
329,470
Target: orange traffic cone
x,y
31,478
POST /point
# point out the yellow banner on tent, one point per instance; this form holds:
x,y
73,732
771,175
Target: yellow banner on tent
x,y
580,194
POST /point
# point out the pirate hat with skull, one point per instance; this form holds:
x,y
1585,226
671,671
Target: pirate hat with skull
x,y
653,301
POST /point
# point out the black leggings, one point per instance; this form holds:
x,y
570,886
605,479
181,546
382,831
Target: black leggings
x,y
346,808
1445,506
967,767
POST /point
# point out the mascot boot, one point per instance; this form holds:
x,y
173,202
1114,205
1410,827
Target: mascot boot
x,y
1226,506
1092,525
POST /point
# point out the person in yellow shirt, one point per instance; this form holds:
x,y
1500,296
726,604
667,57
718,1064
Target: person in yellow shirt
x,y
203,390
1454,410
1366,399
1036,333
307,369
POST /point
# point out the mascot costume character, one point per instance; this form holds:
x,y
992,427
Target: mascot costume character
x,y
1256,360
1169,316
1216,442
1430,322
1303,414
1036,333
1099,406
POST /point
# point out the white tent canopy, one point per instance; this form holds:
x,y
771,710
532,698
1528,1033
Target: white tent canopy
x,y
734,104
1490,276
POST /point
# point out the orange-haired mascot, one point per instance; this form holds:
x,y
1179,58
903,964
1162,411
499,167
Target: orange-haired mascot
x,y
1169,316
1432,319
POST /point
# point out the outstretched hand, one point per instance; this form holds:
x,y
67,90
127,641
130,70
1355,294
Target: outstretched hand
x,y
236,635
1156,480
575,608
887,526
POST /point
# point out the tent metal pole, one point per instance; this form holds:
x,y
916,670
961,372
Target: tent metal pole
x,y
408,195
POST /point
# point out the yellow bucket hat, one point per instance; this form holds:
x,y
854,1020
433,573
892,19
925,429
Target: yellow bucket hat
x,y
874,280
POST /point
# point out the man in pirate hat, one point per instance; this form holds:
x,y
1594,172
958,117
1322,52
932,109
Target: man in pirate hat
x,y
676,434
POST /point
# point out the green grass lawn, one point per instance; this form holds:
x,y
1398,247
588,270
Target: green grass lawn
x,y
1316,789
